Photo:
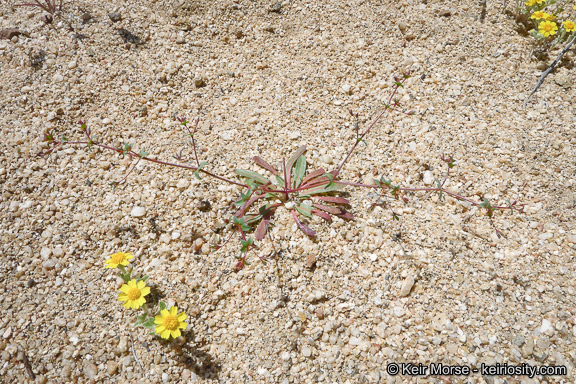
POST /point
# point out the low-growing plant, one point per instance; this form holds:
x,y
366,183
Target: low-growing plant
x,y
549,22
290,186
51,7
166,321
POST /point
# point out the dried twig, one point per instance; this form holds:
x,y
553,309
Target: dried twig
x,y
134,353
469,229
550,68
483,11
27,365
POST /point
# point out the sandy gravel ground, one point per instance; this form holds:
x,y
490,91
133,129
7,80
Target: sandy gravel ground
x,y
437,286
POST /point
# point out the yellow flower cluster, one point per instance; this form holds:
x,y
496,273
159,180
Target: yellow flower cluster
x,y
547,27
168,322
539,15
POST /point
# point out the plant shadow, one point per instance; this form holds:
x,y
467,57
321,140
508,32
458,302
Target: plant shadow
x,y
201,363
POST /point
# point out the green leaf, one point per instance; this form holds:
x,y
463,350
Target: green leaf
x,y
149,324
127,148
162,305
334,187
331,178
197,171
243,198
140,320
280,181
240,222
510,205
126,276
143,152
306,210
252,175
486,205
252,219
439,184
299,171
246,244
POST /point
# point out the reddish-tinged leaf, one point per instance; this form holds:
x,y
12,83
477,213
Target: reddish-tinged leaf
x,y
346,216
320,181
261,230
326,208
303,226
264,164
249,203
330,199
316,183
291,163
322,214
313,175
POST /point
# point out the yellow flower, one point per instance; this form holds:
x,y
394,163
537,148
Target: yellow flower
x,y
550,17
169,323
120,258
547,28
569,26
133,294
540,15
531,2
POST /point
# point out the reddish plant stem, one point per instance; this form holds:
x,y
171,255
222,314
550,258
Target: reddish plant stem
x,y
151,160
194,140
359,139
454,195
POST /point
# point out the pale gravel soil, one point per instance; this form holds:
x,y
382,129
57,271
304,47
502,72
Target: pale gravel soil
x,y
476,298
